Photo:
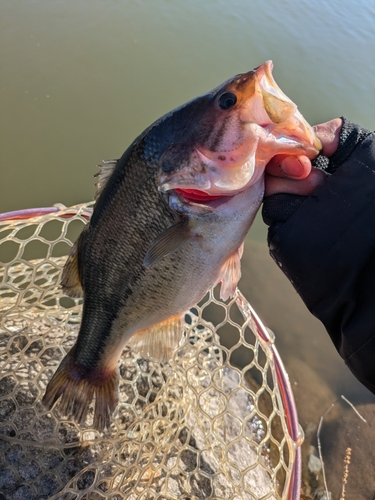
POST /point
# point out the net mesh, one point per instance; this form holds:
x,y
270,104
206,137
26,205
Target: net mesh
x,y
210,423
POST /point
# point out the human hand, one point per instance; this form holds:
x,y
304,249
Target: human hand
x,y
295,174
325,243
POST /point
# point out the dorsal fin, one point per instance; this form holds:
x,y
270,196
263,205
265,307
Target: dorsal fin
x,y
106,169
159,341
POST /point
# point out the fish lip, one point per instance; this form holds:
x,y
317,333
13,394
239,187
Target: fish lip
x,y
211,205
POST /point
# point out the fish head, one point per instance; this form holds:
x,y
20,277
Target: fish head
x,y
226,137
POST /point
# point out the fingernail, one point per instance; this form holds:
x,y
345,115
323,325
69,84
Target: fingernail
x,y
292,167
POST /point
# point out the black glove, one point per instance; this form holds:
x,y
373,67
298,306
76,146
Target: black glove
x,y
278,208
325,245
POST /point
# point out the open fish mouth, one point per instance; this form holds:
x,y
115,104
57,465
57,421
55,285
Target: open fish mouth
x,y
242,125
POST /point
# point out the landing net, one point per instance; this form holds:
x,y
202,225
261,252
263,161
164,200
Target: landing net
x,y
215,422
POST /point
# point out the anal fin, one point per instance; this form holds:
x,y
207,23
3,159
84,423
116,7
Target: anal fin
x,y
159,341
231,274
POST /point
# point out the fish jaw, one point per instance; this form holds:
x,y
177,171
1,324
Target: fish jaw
x,y
264,122
217,179
278,115
195,204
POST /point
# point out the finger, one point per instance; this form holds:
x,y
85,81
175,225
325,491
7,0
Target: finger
x,y
302,187
294,167
329,134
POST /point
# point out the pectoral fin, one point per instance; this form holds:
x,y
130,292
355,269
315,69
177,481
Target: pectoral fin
x,y
231,274
160,340
168,242
277,109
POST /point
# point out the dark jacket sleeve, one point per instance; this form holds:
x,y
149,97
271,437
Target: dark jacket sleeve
x,y
325,245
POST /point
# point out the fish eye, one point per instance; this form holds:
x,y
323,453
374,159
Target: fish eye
x,y
227,100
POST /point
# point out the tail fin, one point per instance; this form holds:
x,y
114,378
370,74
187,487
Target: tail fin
x,y
77,388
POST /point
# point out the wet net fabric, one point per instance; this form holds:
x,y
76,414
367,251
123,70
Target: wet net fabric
x,y
209,424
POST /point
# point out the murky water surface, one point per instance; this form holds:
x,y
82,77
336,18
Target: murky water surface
x,y
81,79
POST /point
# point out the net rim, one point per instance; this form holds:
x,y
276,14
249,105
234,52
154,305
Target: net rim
x,y
30,213
263,333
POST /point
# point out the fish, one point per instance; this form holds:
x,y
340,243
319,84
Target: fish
x,y
169,223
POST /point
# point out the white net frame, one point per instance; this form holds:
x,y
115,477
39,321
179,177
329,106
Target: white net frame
x,y
216,421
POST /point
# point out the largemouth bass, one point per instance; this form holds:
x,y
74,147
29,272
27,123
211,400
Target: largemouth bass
x,y
169,223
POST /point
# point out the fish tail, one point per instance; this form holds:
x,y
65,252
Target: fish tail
x,y
77,387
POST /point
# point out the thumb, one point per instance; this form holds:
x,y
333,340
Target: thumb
x,y
329,135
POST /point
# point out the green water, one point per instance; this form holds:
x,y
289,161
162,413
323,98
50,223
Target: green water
x,y
81,78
